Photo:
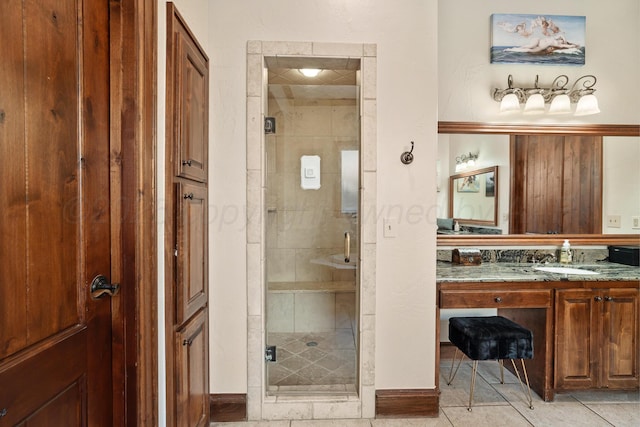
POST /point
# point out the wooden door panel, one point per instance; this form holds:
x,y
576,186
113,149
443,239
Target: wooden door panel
x,y
33,380
191,357
55,356
576,339
191,234
189,74
582,185
52,154
64,409
13,316
543,185
620,358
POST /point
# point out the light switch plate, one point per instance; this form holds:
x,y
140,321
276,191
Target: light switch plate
x,y
390,225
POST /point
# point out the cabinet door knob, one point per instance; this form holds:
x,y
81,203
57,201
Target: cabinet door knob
x,y
498,299
608,298
598,298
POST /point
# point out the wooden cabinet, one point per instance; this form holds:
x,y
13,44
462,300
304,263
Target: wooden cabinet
x,y
597,338
586,334
192,394
186,239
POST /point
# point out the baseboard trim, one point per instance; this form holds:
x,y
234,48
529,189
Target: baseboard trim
x,y
228,407
407,403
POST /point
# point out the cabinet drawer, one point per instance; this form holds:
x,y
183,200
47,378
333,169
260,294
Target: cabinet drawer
x,y
494,299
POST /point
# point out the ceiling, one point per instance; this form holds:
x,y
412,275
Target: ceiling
x,y
336,80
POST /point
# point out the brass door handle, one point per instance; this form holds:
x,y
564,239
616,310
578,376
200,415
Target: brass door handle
x,y
100,286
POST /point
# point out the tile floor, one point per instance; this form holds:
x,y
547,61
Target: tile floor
x,y
312,359
497,405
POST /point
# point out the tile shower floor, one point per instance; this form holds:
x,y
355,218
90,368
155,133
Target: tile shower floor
x,y
318,361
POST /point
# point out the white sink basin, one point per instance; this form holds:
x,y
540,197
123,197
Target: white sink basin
x,y
565,270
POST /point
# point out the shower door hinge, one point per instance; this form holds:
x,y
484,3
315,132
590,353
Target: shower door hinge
x,y
270,353
269,125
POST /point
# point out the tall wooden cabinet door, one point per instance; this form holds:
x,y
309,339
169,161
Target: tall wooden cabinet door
x,y
621,358
191,251
191,102
577,344
192,366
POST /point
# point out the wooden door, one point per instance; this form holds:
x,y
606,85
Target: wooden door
x,y
621,339
577,343
539,184
55,340
556,184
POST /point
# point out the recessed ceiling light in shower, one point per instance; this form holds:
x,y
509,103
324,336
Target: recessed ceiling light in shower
x,y
310,72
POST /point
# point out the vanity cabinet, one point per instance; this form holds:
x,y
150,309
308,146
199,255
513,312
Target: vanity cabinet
x,y
597,338
586,333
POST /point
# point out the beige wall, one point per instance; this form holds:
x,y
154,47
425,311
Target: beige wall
x,y
466,77
406,43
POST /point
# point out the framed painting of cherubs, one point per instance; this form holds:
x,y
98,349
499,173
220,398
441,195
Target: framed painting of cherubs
x,y
538,39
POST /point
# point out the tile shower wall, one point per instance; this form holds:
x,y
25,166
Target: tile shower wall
x,y
307,224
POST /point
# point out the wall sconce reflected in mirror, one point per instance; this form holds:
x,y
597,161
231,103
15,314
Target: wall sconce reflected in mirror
x,y
466,160
557,95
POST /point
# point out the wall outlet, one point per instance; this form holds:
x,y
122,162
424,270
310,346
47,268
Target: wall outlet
x,y
613,221
635,222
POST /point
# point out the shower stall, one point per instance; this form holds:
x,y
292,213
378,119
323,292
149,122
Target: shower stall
x,y
312,145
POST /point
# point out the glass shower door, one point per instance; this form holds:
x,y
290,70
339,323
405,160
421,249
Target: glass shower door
x,y
312,238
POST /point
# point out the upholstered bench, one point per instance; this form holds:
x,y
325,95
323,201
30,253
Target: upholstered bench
x,y
490,338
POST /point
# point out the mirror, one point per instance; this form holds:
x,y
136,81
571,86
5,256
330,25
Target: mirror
x,y
617,190
473,197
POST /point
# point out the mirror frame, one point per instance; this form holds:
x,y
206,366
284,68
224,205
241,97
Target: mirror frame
x,y
538,240
463,221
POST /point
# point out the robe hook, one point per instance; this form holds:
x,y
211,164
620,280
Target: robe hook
x,y
407,156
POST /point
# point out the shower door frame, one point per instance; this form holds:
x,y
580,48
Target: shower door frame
x,y
260,405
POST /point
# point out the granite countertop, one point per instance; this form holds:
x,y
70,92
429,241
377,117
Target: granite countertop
x,y
526,272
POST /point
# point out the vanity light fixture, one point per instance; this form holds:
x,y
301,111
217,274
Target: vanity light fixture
x,y
309,72
466,160
558,95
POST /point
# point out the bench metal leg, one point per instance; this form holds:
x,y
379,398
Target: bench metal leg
x,y
452,374
527,392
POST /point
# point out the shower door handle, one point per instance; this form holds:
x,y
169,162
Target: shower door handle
x,y
347,246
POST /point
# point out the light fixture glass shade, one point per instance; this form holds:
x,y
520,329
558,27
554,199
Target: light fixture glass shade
x,y
510,103
535,104
561,104
588,104
310,72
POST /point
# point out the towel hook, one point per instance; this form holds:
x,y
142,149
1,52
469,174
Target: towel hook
x,y
407,156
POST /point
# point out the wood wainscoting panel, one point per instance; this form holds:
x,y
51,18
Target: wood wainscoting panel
x,y
407,403
230,407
